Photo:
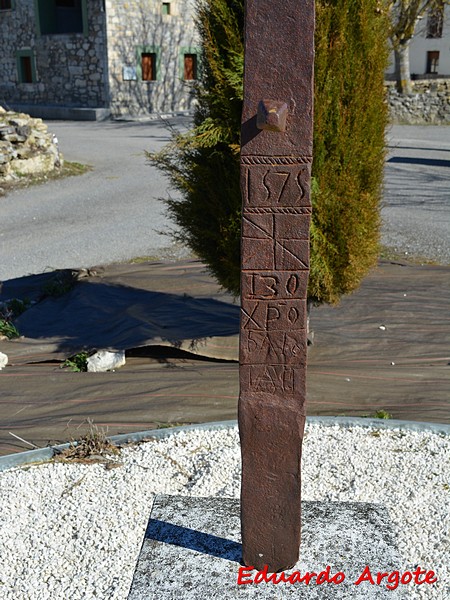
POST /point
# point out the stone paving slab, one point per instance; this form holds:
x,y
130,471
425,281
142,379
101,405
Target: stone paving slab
x,y
192,550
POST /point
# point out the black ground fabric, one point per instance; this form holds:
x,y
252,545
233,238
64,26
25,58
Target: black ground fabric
x,y
385,347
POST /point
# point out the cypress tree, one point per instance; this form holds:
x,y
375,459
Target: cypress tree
x,y
350,120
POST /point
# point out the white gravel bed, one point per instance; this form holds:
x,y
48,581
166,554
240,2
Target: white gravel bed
x,y
73,532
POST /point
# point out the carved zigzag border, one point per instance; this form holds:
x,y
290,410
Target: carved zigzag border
x,y
283,210
275,160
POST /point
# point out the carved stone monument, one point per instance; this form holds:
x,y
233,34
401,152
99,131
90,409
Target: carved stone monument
x,y
191,547
276,156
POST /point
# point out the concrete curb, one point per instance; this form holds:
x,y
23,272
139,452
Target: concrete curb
x,y
45,454
439,428
62,113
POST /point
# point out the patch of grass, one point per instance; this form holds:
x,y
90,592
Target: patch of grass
x,y
69,169
142,259
18,307
77,363
62,283
8,311
394,255
175,251
8,330
378,414
381,414
72,169
160,425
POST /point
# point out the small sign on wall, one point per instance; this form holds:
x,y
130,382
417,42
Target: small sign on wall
x,y
129,74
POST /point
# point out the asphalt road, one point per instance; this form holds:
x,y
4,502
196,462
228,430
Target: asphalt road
x,y
113,213
416,209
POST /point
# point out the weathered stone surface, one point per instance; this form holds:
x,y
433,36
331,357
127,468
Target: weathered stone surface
x,y
86,69
23,130
6,130
52,54
429,104
14,138
128,22
192,550
20,121
276,154
104,360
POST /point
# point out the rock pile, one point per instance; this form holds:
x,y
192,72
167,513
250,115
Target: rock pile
x,y
26,146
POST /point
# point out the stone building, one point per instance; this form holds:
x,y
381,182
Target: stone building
x,y
68,58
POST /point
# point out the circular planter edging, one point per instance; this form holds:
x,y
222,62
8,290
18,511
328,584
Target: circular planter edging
x,y
44,454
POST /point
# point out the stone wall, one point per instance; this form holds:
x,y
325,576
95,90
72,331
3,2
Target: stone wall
x,y
26,146
70,69
139,25
428,105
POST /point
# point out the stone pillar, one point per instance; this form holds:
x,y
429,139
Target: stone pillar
x,y
276,155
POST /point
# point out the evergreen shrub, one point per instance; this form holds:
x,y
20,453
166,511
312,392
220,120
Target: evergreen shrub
x,y
349,150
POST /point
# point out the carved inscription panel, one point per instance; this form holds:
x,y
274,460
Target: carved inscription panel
x,y
275,262
273,348
268,315
272,380
280,285
276,186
